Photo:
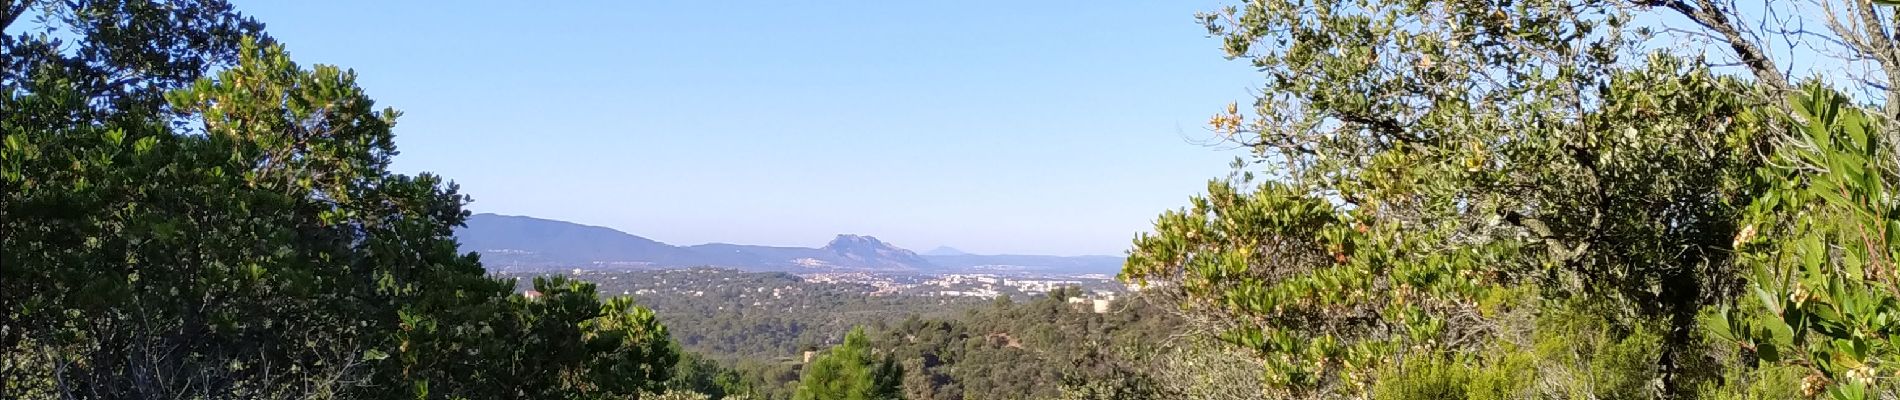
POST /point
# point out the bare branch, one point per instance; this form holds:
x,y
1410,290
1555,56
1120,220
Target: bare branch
x,y
1711,16
1883,49
12,13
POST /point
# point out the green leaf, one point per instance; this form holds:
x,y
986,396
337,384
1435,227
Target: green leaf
x,y
1852,263
1778,331
16,142
1813,252
1768,300
144,145
1718,324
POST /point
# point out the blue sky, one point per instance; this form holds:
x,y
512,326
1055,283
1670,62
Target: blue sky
x,y
990,126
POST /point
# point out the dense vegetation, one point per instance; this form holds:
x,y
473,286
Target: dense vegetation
x,y
850,371
1525,199
765,316
1530,199
748,333
189,214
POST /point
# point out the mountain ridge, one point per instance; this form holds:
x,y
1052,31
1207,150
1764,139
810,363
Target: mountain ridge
x,y
516,243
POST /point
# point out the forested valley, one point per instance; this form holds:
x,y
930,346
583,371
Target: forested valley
x,y
939,347
1432,199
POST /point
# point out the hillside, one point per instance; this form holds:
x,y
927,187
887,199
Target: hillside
x,y
519,243
507,241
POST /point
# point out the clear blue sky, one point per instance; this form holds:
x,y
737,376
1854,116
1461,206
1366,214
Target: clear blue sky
x,y
990,126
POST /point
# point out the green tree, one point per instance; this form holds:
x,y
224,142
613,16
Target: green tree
x,y
568,343
1821,246
170,232
1426,175
117,56
698,374
851,371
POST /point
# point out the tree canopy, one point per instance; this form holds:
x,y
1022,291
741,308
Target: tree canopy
x,y
1437,186
189,213
851,371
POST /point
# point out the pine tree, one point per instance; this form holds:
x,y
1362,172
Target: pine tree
x,y
851,371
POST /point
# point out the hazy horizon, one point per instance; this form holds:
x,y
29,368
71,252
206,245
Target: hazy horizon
x,y
1037,129
923,249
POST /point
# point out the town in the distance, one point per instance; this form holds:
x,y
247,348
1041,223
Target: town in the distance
x,y
524,247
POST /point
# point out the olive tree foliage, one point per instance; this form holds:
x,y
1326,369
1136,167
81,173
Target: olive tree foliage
x,y
1421,168
188,213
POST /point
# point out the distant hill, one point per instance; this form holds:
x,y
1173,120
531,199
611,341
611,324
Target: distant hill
x,y
844,252
866,250
1029,263
945,251
527,243
514,241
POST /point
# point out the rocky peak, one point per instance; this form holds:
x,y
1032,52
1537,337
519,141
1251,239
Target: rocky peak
x,y
846,243
860,249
